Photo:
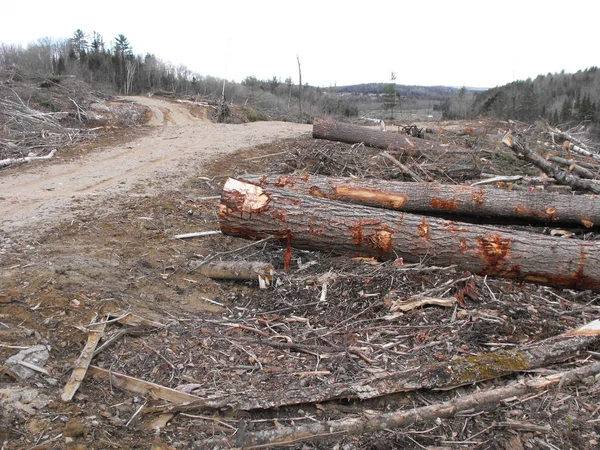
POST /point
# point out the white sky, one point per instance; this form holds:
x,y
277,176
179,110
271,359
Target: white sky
x,y
425,42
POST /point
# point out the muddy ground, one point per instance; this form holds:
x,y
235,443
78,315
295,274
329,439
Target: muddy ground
x,y
83,257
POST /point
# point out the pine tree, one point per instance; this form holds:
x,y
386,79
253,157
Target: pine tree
x,y
565,111
78,45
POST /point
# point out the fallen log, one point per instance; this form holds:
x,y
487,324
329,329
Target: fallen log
x,y
374,137
444,200
302,221
568,162
573,167
374,421
445,375
560,175
240,270
453,161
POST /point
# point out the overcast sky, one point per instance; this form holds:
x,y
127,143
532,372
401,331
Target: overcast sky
x,y
425,42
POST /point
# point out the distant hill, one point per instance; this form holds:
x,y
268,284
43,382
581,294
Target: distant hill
x,y
421,92
557,98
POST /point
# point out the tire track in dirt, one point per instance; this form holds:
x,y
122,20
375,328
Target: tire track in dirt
x,y
177,146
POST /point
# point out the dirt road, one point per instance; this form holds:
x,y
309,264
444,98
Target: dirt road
x,y
175,148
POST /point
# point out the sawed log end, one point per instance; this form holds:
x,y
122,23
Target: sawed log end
x,y
242,197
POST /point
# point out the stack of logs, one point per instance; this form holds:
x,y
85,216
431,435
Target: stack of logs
x,y
418,222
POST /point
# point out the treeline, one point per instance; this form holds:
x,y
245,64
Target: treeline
x,y
115,68
559,98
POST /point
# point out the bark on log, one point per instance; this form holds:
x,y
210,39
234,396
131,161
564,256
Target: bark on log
x,y
444,200
252,212
563,177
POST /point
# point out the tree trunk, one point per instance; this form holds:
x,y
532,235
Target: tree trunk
x,y
299,86
374,137
252,212
444,200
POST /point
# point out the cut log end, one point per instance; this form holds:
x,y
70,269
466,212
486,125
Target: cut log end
x,y
243,198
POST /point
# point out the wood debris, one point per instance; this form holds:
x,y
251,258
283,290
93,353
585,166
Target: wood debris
x,y
80,367
369,422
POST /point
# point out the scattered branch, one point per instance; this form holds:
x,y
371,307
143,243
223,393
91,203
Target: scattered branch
x,y
369,421
80,367
563,177
10,161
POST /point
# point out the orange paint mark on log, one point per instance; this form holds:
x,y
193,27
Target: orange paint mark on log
x,y
291,180
357,235
478,196
379,239
279,215
496,251
527,211
316,192
452,227
424,228
444,204
362,195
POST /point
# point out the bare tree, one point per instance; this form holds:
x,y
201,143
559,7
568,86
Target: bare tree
x,y
299,85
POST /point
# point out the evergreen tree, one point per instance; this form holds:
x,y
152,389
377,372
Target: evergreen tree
x,y
528,109
565,111
78,45
391,96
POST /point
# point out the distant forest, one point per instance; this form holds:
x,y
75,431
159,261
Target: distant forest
x,y
557,98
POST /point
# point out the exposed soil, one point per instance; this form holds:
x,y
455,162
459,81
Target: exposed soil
x,y
91,232
179,143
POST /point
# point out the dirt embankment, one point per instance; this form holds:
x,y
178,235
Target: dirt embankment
x,y
177,145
